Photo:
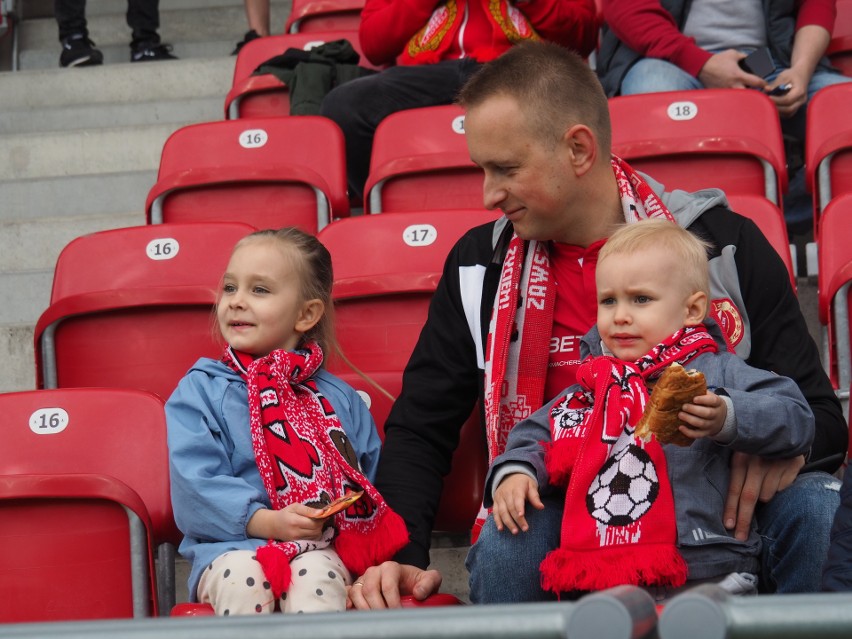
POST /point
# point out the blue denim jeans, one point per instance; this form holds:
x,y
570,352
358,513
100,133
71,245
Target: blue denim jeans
x,y
794,525
651,75
796,528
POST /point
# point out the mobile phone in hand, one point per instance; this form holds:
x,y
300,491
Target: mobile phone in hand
x,y
758,62
781,89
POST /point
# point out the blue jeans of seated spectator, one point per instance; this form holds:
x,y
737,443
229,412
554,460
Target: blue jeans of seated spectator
x,y
651,75
795,525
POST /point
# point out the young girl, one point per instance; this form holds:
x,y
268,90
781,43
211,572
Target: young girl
x,y
263,438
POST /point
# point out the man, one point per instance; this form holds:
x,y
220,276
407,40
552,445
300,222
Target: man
x,y
537,123
436,46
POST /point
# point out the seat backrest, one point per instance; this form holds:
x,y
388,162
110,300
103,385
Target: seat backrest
x,y
835,274
420,162
310,16
84,497
133,307
840,47
725,138
267,172
770,220
828,146
255,96
381,301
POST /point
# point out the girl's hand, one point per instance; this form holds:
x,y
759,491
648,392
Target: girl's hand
x,y
294,522
704,417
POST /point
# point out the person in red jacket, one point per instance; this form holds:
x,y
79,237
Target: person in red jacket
x,y
436,46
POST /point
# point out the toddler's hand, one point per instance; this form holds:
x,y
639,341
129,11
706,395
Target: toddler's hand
x,y
510,498
704,417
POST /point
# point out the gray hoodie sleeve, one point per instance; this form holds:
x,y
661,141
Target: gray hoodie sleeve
x,y
524,449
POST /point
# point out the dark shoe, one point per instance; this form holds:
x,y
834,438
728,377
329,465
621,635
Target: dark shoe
x,y
151,52
79,51
249,36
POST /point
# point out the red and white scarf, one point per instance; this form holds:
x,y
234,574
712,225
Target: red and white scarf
x,y
516,350
304,456
618,526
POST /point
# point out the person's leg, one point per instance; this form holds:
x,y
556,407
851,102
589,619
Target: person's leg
x,y
360,105
257,14
143,18
71,18
504,568
317,584
798,203
652,75
795,527
234,584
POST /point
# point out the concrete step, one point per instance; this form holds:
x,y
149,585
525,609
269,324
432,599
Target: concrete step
x,y
83,152
112,115
32,246
44,8
41,201
16,350
224,25
109,84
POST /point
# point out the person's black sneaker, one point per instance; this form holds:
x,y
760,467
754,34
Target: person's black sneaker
x,y
248,37
151,51
79,51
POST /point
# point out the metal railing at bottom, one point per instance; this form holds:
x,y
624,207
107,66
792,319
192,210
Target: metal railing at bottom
x,y
708,612
620,613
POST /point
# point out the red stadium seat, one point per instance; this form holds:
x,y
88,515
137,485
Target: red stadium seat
x,y
132,307
725,138
828,147
835,275
256,96
84,499
770,220
381,300
268,172
840,47
311,16
420,162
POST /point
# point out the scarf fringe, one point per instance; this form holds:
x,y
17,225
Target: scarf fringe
x,y
559,459
276,567
359,550
644,565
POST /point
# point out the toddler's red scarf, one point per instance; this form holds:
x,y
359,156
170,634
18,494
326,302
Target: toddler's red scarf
x,y
517,347
619,521
304,456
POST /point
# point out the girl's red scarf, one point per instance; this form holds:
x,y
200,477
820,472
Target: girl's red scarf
x,y
619,521
522,321
304,456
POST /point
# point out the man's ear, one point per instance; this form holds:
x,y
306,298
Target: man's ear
x,y
583,147
312,312
696,308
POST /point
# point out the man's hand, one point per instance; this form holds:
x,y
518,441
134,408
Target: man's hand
x,y
722,71
381,586
755,478
510,498
793,100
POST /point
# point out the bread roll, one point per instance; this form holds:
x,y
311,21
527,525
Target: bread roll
x,y
675,387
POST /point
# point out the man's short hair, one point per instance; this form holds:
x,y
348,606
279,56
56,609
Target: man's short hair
x,y
554,87
666,237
